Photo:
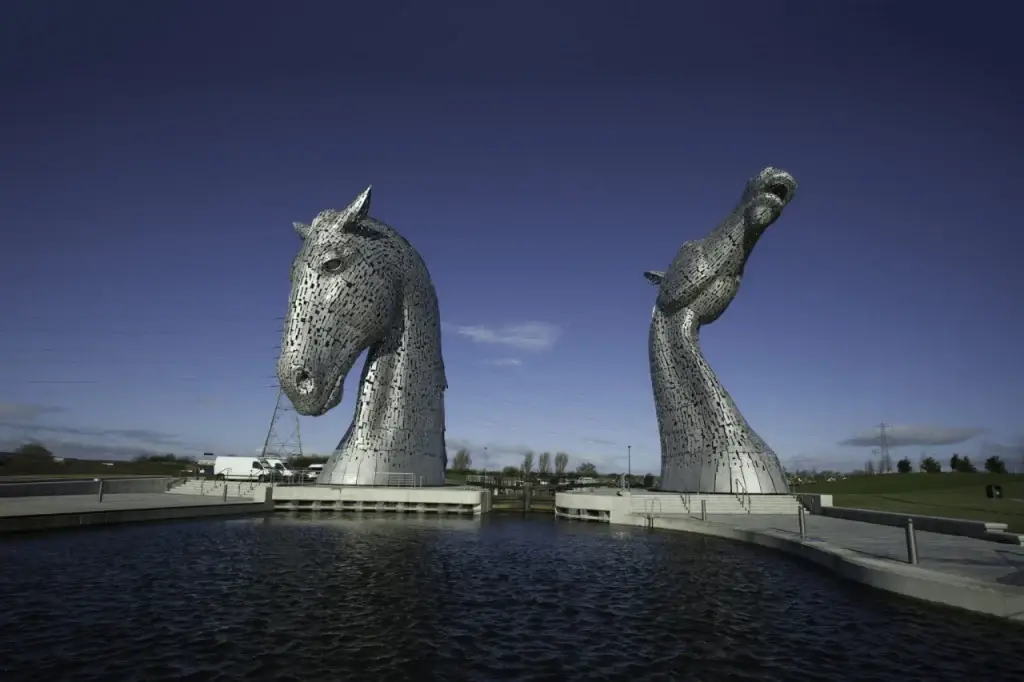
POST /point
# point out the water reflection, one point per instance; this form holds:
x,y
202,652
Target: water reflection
x,y
293,597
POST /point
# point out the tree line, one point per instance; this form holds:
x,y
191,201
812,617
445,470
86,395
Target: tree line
x,y
957,463
547,464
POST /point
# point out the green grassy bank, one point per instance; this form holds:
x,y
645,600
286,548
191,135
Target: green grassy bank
x,y
955,495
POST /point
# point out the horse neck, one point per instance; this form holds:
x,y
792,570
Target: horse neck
x,y
404,373
681,362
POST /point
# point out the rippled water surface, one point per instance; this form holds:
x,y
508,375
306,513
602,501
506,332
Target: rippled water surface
x,y
505,598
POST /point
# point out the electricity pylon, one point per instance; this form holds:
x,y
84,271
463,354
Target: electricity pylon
x,y
284,438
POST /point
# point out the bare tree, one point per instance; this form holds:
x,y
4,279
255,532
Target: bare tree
x,y
462,460
528,464
544,463
561,462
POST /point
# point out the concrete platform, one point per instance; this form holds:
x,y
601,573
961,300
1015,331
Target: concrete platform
x,y
439,500
963,572
86,485
600,502
71,511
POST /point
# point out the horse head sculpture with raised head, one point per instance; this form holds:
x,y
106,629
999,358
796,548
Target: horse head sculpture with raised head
x,y
706,444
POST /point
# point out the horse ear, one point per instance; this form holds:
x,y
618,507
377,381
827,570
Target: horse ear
x,y
302,229
654,277
358,209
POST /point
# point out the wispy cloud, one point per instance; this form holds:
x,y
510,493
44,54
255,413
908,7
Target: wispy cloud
x,y
18,426
23,412
525,336
489,455
134,435
504,362
1012,455
903,435
85,450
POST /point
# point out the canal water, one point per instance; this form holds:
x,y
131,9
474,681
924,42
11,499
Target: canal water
x,y
502,598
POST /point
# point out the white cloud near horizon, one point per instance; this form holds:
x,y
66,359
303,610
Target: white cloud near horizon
x,y
26,412
898,435
535,336
504,362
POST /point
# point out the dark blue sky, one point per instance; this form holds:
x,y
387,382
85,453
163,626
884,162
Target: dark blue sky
x,y
154,156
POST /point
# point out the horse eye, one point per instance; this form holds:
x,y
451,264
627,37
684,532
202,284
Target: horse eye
x,y
333,265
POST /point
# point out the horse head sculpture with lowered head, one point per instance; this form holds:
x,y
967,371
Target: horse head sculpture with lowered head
x,y
358,285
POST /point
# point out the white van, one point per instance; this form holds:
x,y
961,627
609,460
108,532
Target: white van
x,y
281,469
241,469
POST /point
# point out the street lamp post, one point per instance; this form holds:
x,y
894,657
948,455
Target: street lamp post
x,y
629,465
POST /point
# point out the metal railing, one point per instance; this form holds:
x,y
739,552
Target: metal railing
x,y
644,504
397,480
685,497
743,496
909,531
385,479
221,483
911,542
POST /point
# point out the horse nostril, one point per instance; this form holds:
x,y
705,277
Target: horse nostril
x,y
304,381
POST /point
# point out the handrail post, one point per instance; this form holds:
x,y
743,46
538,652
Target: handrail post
x,y
703,510
99,489
911,542
802,518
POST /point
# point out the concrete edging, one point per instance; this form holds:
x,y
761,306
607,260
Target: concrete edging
x,y
42,522
903,579
1004,601
87,486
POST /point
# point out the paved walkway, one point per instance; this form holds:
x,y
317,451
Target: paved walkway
x,y
966,557
77,504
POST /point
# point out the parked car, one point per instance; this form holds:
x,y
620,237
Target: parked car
x,y
313,471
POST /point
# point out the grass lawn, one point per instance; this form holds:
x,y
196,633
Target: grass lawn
x,y
960,496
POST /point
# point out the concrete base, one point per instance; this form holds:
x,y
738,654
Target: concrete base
x,y
600,502
1005,601
440,500
74,511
